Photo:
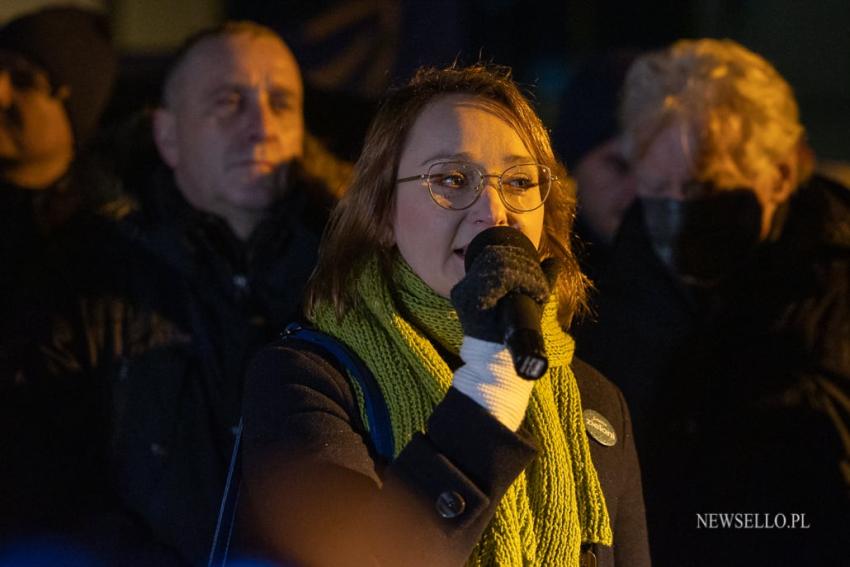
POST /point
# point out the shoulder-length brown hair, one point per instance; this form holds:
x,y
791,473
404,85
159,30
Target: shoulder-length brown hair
x,y
361,224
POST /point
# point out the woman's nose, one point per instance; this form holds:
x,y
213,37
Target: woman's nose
x,y
489,208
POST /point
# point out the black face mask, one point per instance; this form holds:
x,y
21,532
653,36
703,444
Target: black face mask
x,y
702,240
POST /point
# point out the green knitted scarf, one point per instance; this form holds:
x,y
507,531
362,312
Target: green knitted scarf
x,y
556,503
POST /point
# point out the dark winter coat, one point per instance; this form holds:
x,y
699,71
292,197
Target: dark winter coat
x,y
741,394
300,408
39,480
168,308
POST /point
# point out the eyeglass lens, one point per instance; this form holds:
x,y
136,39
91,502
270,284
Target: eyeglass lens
x,y
456,185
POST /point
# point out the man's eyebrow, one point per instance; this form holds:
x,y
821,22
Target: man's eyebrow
x,y
222,87
285,90
240,85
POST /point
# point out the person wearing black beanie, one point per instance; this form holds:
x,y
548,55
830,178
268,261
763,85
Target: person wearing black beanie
x,y
74,48
57,67
56,71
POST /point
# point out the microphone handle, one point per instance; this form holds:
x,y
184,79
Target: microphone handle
x,y
521,321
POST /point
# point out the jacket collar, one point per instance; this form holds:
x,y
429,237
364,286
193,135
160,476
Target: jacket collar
x,y
818,216
164,223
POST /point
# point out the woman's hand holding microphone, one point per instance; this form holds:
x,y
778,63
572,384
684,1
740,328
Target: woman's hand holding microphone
x,y
500,304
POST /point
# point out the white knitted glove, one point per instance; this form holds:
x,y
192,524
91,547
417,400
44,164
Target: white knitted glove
x,y
490,379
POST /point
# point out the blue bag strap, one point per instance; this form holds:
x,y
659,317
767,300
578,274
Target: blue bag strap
x,y
377,418
227,510
377,413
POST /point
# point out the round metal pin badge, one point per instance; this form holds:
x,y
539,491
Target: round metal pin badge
x,y
599,428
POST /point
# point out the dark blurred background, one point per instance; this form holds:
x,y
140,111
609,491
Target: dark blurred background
x,y
351,50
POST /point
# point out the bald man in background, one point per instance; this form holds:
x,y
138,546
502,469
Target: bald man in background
x,y
192,274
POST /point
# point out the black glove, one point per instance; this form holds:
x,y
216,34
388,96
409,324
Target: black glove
x,y
497,271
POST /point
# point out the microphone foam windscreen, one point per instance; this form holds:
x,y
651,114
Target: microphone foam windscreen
x,y
499,236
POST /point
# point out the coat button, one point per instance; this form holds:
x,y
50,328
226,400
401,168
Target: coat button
x,y
159,450
450,504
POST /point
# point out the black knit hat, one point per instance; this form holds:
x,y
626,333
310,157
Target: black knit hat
x,y
75,49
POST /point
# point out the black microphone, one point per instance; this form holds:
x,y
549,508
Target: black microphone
x,y
519,314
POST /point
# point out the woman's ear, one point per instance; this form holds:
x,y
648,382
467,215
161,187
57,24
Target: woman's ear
x,y
387,236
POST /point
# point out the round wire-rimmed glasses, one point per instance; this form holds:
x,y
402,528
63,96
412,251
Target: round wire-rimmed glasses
x,y
457,185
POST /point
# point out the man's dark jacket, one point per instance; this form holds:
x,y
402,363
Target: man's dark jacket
x,y
167,309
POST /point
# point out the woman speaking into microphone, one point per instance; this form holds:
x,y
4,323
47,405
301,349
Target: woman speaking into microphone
x,y
447,273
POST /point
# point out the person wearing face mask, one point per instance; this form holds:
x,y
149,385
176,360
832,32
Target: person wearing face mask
x,y
724,312
487,467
